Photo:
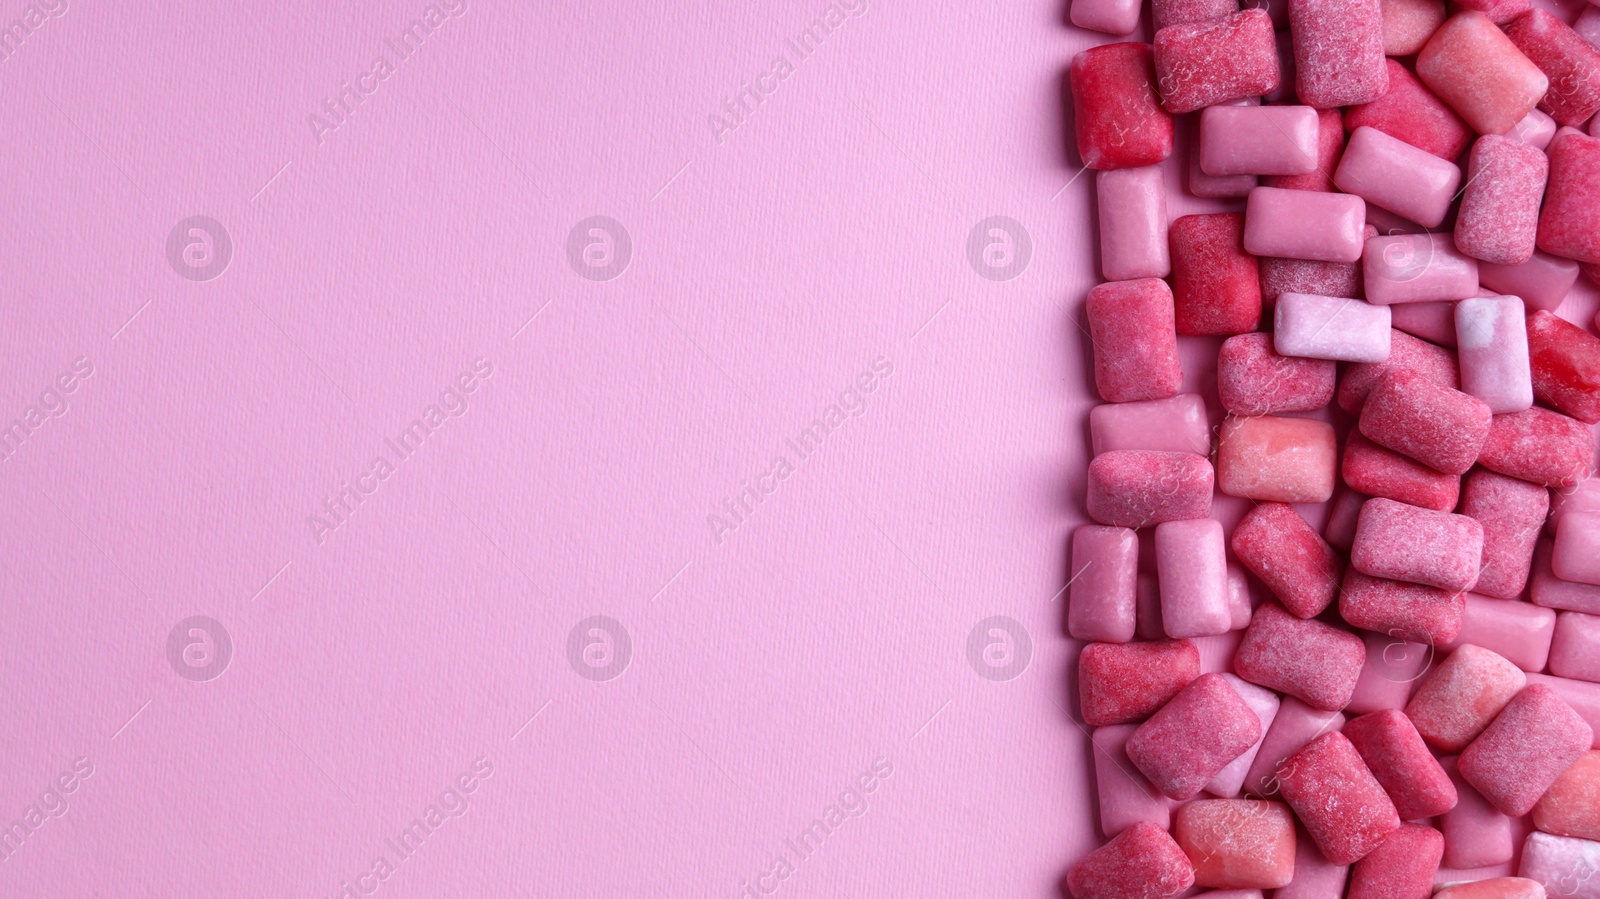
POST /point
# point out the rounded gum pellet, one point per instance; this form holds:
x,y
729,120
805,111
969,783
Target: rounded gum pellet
x,y
1126,798
1185,744
1237,843
1416,268
1327,279
1565,865
1569,223
1289,556
1575,651
1304,224
1522,752
1331,328
1439,426
1512,513
1536,129
1338,51
1402,867
1277,459
1137,488
1406,353
1581,497
1258,140
1401,761
1253,379
1519,632
1405,611
1105,567
1499,216
1176,424
1576,556
1230,780
1569,61
1475,834
1407,24
1133,224
1409,111
1191,568
1551,592
1565,362
1184,12
1492,349
1375,471
1119,683
1462,695
1119,123
1542,282
1118,17
1434,322
1471,65
1216,284
1201,64
1311,661
1131,328
1295,725
1572,807
1423,546
1330,146
1388,172
1140,861
1336,796
1540,446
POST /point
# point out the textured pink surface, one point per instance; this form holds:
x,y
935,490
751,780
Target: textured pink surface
x,y
1462,695
1498,221
1289,556
1534,738
1423,546
1311,661
1512,513
1413,414
1336,797
1369,468
1406,353
1184,745
1409,773
1237,843
1252,379
1405,611
1540,446
1402,867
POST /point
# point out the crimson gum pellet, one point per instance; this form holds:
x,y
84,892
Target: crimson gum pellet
x,y
1409,111
1237,843
1438,426
1462,695
1126,798
1191,566
1392,748
1338,52
1492,350
1252,379
1277,459
1230,780
1406,353
1552,592
1408,23
1518,631
1216,284
1137,488
1119,120
1416,268
1202,729
1330,146
1375,471
1539,445
1202,64
1304,224
1573,650
1542,281
1312,661
1565,362
1411,612
1569,61
1406,180
1401,867
1476,835
1135,348
1409,543
1499,217
1569,224
1522,752
1392,669
1289,556
1295,725
1493,888
1133,224
1176,424
1141,862
1119,683
1470,64
1339,328
1434,321
1105,568
1512,513
1572,806
1565,865
1340,528
1576,554
1335,795
1258,140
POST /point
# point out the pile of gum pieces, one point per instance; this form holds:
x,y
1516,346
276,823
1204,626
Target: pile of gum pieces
x,y
1375,671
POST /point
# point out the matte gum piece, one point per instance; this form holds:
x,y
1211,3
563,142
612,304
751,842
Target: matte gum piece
x,y
1475,834
1435,322
1288,555
1119,122
1335,795
1185,744
1410,612
1205,63
1542,281
1295,725
1370,469
1304,224
1183,12
1258,140
1191,566
1572,806
1142,862
1519,632
1512,513
1328,279
1133,223
1522,752
1331,328
1237,843
1493,888
1409,111
1118,17
1499,216
1105,569
1439,426
1392,748
1135,347
1216,284
1314,876
1492,350
1176,424
1422,546
1540,446
1565,363
1470,64
1552,592
1136,488
1230,780
1416,268
1575,651
1462,695
1402,867
1392,670
1277,459
1338,51
1406,353
1566,866
1576,555
1330,146
1388,172
1252,379
1340,528
1569,224
1311,661
1119,683
1569,61
1536,129
1408,23
1126,798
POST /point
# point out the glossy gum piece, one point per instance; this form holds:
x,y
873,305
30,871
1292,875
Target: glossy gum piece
x,y
1314,876
1237,843
1119,683
1434,322
1522,752
1540,446
1230,780
1277,459
1335,795
1406,353
1406,180
1252,379
1475,834
1338,52
1492,350
1410,612
1191,568
1176,424
1295,725
1330,328
1569,223
1470,64
1370,469
1328,279
1330,146
1519,632
1565,362
1135,347
1185,744
1408,23
1214,187
1216,285
1304,224
1588,26
1573,652
1542,281
1414,780
1584,497
1402,867
1289,556
1133,224
1142,862
1569,61
1311,661
1416,268
1184,12
1512,513
1571,808
1240,604
1493,888
1566,866
1119,120
1126,798
1462,695
1552,592
1439,426
1105,569
1576,554
1118,17
1499,216
1392,670
1536,129
1205,63
1258,140
1423,546
1410,112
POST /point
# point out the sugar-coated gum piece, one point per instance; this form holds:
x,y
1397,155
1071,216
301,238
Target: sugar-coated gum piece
x,y
1409,111
1253,379
1119,121
1183,12
1402,610
1194,736
1406,353
1392,748
1237,843
1569,61
1335,795
1277,459
1439,426
1105,568
1230,780
1118,17
1462,695
1191,567
1202,64
1311,661
1416,268
1575,651
1141,862
1216,284
1470,64
1338,51
1542,281
1304,224
1409,543
1566,866
1137,488
1133,223
1576,555
1522,752
1392,670
1295,725
1499,216
1258,140
1289,556
1512,513
1126,798
1370,469
1435,322
1119,683
1499,11
1565,363
1331,328
1569,223
1330,144
1540,446
1493,888
1519,632
1492,350
1572,806
1402,867
1476,835
1388,172
1135,348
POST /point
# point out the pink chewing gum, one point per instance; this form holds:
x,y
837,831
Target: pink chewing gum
x,y
1118,17
1475,834
1326,279
1137,488
1392,748
1536,129
1402,867
1493,888
1518,631
1295,725
1230,780
1408,23
1252,379
1392,669
1105,570
1119,683
1330,328
1176,424
1588,25
1584,697
1258,140
1335,795
1462,695
1512,513
1237,843
1499,217
1439,426
1569,224
1273,459
1241,605
1216,285
1338,52
1141,862
1304,224
1369,468
1330,146
1522,752
1388,172
1542,281
1499,11
1314,876
1126,798
1569,61
1203,64
1311,661
1409,111
1185,744
1135,347
1540,446
1422,546
1410,612
1340,528
1133,224
1215,187
1290,557
1565,363
1565,865
1492,350
1584,497
1435,322
1184,12
1575,650
1471,65
1576,555
1406,353
1416,268
1119,121
1572,806
1191,567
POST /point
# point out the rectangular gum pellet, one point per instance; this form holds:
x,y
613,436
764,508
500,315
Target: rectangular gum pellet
x,y
1439,426
1305,224
1471,65
1336,796
1176,424
1410,612
1584,697
1582,497
1141,860
1542,282
1422,546
1406,353
1105,568
1540,446
1416,268
1571,63
1216,283
1133,223
1120,683
1499,217
1314,662
1277,459
1512,513
1572,807
1289,556
1258,140
1131,326
1554,593
1519,632
1405,864
1314,876
1126,798
1183,12
1369,468
1565,865
1201,64
1476,835
1462,695
1338,51
1575,649
1569,224
1331,328
1412,113
1576,554
1492,348
1522,752
1118,17
1118,120
1191,566
1136,488
1388,172
1253,379
1565,361
1193,737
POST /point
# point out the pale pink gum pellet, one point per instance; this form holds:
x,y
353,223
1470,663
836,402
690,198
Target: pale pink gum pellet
x,y
1410,612
1438,426
1388,172
1141,862
1237,843
1408,23
1289,556
1216,284
1554,593
1331,328
1375,471
1338,52
1133,223
1330,146
1569,224
1176,424
1522,752
1304,224
1241,605
1392,748
1119,683
1572,807
1341,804
1311,661
1512,513
1183,12
1583,497
1137,488
1409,543
1295,725
1277,459
1576,556
1105,569
1215,187
1258,140
1392,670
1118,121
1471,65
1417,268
1230,780
1540,446
1569,61
1402,867
1476,835
1193,737
1252,379
1412,113
1519,632
1191,567
1492,350
1131,326
1575,651
1406,353
1499,217
1566,366
1118,17
1542,281
1462,695
1314,876
1434,322
1340,527
1147,602
1536,129
1202,64
1565,865
1493,888
1126,798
